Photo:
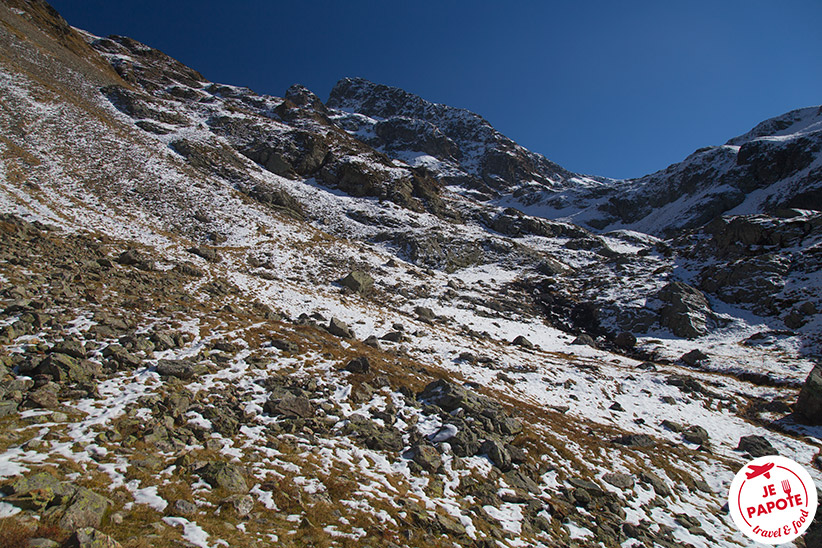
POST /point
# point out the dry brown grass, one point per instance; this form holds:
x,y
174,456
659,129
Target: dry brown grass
x,y
17,534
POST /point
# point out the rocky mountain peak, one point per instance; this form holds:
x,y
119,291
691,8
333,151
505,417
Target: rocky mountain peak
x,y
303,97
452,143
802,121
382,101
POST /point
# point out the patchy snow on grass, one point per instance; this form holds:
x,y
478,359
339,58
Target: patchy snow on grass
x,y
192,532
147,495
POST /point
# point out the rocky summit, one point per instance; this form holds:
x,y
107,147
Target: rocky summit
x,y
232,319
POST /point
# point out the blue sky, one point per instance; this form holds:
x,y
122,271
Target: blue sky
x,y
619,89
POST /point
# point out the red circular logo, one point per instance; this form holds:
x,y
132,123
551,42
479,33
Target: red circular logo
x,y
772,500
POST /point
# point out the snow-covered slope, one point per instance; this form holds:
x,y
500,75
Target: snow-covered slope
x,y
185,360
775,165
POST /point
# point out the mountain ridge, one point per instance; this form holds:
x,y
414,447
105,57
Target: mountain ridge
x,y
552,190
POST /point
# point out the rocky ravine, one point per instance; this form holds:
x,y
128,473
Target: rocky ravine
x,y
234,319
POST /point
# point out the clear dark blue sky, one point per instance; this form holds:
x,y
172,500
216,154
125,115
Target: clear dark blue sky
x,y
615,88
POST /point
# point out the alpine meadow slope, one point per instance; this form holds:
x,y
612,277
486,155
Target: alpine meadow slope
x,y
232,319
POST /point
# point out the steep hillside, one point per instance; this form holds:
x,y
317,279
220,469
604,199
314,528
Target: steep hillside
x,y
235,319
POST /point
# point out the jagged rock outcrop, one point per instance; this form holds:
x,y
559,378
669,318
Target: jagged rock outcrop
x,y
783,167
467,149
685,311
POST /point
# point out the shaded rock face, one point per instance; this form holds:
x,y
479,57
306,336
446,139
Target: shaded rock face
x,y
210,158
143,108
769,161
758,256
437,251
276,198
714,180
686,310
809,403
289,152
737,236
480,156
301,96
400,133
752,280
150,68
472,154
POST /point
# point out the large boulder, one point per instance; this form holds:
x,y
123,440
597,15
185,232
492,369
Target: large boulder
x,y
427,457
120,357
181,369
696,434
756,446
224,475
69,506
85,509
372,435
660,486
339,328
88,537
685,311
497,454
134,257
69,347
449,397
289,406
694,357
635,440
625,339
64,368
809,404
465,443
358,365
358,282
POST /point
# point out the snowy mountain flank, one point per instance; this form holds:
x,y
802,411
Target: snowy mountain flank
x,y
232,319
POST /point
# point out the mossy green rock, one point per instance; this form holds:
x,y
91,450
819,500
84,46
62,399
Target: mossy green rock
x,y
358,282
224,475
88,537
